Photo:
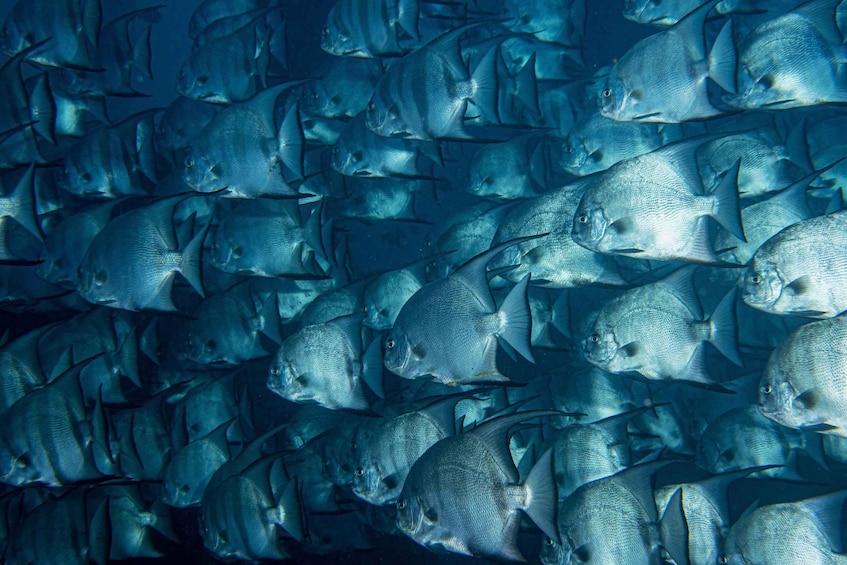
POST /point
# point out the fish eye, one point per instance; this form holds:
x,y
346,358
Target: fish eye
x,y
360,472
755,279
389,343
549,542
189,162
582,219
276,370
401,504
100,278
595,338
371,107
202,79
237,252
723,559
325,32
568,148
767,389
607,93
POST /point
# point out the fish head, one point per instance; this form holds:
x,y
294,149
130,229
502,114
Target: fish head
x,y
778,400
754,90
398,352
94,283
573,154
196,85
761,285
383,118
285,380
77,180
411,518
347,161
17,470
589,225
316,99
228,251
200,173
14,37
600,347
336,39
378,316
366,479
615,99
552,552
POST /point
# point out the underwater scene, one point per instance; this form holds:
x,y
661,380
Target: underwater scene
x,y
423,281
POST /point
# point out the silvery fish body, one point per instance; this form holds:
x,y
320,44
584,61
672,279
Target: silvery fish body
x,y
425,94
267,238
464,494
226,70
71,28
192,466
801,271
502,170
230,328
653,207
385,297
794,60
556,261
658,331
802,386
663,77
607,521
241,151
344,88
449,328
596,143
742,438
132,262
805,531
324,363
386,453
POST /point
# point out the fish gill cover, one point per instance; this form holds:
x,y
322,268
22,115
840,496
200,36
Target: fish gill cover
x,y
423,281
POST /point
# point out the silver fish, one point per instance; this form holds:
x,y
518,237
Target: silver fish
x,y
442,501
663,77
658,331
797,388
653,207
449,328
800,271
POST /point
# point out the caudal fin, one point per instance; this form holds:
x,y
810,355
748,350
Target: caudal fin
x,y
516,328
723,328
728,212
542,503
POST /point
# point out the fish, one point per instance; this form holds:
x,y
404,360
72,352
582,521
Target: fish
x,y
267,238
400,108
558,261
610,520
807,529
375,28
658,13
658,331
663,77
242,153
653,207
449,328
385,454
786,277
791,61
596,143
343,89
113,273
326,364
440,504
231,328
797,389
386,295
229,69
501,171
742,438
66,32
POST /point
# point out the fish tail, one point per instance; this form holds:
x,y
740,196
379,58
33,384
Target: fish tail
x,y
486,86
728,209
723,328
723,59
191,265
516,327
540,487
291,141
